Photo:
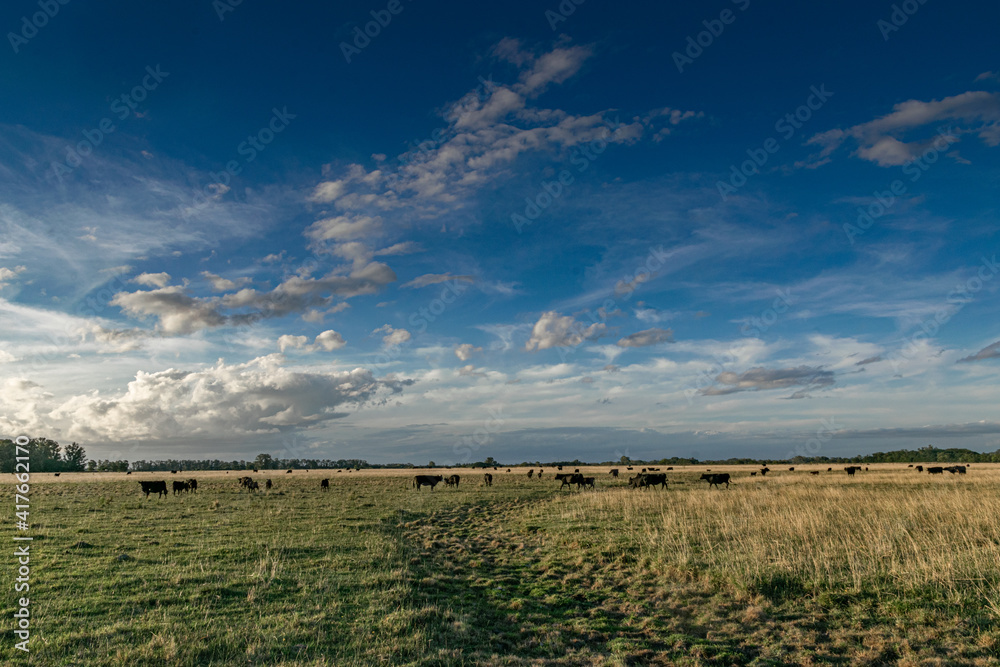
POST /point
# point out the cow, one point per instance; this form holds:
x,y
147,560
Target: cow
x,y
613,472
180,486
654,470
129,472
937,470
159,488
753,474
584,482
540,471
919,468
792,469
577,471
426,480
55,474
670,467
253,486
764,471
814,472
488,479
173,472
288,472
193,484
910,465
851,470
643,471
566,478
452,480
255,470
956,469
508,469
630,468
635,482
829,469
531,473
716,479
245,481
267,485
653,479
866,468
324,484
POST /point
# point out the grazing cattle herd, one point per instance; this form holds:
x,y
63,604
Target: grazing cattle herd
x,y
648,477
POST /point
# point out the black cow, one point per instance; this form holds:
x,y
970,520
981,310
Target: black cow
x,y
937,470
953,469
584,482
829,469
791,469
753,474
614,473
716,479
55,474
288,472
267,485
910,465
173,472
919,468
488,479
814,472
653,479
558,467
452,480
129,472
245,481
531,473
764,471
159,488
255,470
670,467
540,471
851,470
630,467
193,484
253,486
566,478
324,484
426,480
180,486
508,469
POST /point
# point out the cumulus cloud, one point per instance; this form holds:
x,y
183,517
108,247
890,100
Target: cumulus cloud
x,y
327,341
178,312
392,337
152,279
879,140
555,330
757,379
6,275
465,351
647,337
435,278
260,396
220,284
991,351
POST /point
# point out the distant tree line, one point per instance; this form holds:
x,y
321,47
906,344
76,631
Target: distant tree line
x,y
47,455
44,455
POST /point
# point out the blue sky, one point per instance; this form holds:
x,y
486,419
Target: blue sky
x,y
550,232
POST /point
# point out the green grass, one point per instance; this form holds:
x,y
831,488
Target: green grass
x,y
374,572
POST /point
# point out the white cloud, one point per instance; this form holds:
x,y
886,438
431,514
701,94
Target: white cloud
x,y
6,275
435,278
220,284
152,279
647,338
555,330
465,351
878,141
393,337
258,396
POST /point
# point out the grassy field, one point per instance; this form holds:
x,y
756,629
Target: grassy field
x,y
891,567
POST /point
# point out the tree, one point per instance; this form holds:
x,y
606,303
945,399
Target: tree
x,y
431,465
263,461
74,458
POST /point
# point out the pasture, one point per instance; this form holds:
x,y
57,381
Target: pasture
x,y
888,567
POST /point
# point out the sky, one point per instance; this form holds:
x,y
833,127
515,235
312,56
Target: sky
x,y
408,231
